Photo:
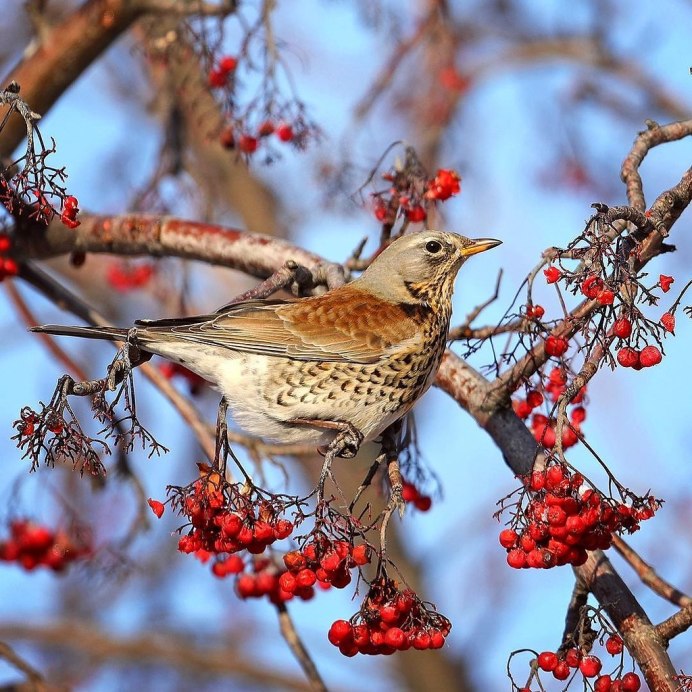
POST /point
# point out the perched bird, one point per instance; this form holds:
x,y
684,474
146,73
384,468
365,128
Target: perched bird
x,y
356,358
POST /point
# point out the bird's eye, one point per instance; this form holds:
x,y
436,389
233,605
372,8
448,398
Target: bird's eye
x,y
433,247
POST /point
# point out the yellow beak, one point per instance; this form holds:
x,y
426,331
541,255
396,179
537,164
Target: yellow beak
x,y
480,245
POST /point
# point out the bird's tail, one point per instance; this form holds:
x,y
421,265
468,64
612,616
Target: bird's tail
x,y
108,333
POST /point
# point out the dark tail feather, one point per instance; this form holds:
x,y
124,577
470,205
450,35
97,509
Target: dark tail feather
x,y
108,333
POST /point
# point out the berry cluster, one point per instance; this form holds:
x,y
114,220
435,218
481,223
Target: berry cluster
x,y
219,75
411,192
562,664
124,277
323,561
248,143
8,266
594,287
648,356
32,545
411,495
390,620
225,518
562,520
266,580
70,209
444,185
544,428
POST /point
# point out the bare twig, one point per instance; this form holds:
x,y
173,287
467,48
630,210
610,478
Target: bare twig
x,y
298,649
649,576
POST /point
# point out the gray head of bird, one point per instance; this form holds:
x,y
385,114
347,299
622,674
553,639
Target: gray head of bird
x,y
415,266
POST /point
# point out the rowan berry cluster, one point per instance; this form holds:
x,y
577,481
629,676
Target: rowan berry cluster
x,y
266,580
248,142
411,495
70,209
8,266
226,518
222,72
633,352
124,276
563,518
390,620
544,428
412,191
562,664
32,545
324,561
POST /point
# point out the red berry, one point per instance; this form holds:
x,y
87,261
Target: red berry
x,y
614,645
631,682
521,408
578,415
394,637
547,661
70,203
628,357
605,297
306,577
590,666
437,639
282,529
508,538
421,640
361,554
668,322
572,657
603,684
156,507
228,63
9,267
622,328
409,492
538,311
649,356
534,398
555,345
217,78
552,274
516,558
247,144
5,243
245,585
284,132
561,671
234,564
591,286
665,282
340,631
288,582
265,129
416,214
423,503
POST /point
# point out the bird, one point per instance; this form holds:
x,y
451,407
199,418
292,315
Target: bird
x,y
348,363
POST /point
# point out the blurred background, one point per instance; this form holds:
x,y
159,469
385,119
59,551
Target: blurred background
x,y
536,105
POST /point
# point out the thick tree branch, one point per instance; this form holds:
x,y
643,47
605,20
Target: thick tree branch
x,y
155,236
155,648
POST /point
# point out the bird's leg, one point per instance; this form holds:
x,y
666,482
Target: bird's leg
x,y
221,451
345,444
391,445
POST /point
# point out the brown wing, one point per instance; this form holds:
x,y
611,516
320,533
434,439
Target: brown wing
x,y
345,325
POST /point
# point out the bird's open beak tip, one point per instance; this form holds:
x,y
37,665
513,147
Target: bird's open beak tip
x,y
480,245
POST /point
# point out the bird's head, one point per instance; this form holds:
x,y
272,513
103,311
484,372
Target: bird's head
x,y
422,266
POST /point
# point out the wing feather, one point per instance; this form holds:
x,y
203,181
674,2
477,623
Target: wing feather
x,y
345,325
